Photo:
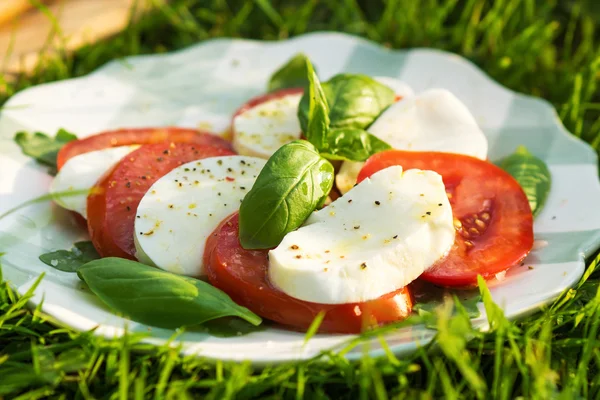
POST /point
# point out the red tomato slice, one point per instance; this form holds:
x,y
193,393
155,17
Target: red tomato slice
x,y
242,274
491,213
263,98
111,209
123,137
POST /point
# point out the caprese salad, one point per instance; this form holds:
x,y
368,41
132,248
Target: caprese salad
x,y
323,199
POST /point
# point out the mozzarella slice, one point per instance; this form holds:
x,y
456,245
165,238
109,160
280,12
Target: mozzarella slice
x,y
345,179
181,209
399,87
375,239
434,120
82,172
263,129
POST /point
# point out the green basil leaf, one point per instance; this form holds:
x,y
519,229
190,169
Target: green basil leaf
x,y
71,260
532,174
293,182
469,303
354,101
429,299
317,127
42,147
353,145
158,298
294,74
228,327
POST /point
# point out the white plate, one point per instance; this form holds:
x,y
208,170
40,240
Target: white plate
x,y
202,85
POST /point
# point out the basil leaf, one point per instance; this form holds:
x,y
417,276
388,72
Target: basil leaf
x,y
291,75
317,127
353,145
293,182
158,298
532,174
228,327
347,143
469,303
42,147
71,260
429,299
354,101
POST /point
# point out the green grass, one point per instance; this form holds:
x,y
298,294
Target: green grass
x,y
545,48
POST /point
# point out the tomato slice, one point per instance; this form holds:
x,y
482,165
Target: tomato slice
x,y
242,274
263,98
123,137
492,216
112,206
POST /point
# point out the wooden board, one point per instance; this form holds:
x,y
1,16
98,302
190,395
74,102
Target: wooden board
x,y
11,9
26,31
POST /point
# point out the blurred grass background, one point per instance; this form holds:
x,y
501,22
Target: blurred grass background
x,y
548,48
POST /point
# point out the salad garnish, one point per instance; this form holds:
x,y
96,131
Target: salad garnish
x,y
291,75
158,298
293,182
42,147
317,119
339,135
355,101
71,260
532,174
429,298
352,144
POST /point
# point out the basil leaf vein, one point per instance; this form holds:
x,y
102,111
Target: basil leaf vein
x,y
293,74
293,182
158,298
71,260
532,174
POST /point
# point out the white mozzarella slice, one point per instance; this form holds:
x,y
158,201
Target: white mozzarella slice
x,y
82,172
399,87
375,239
181,209
434,120
263,129
345,179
